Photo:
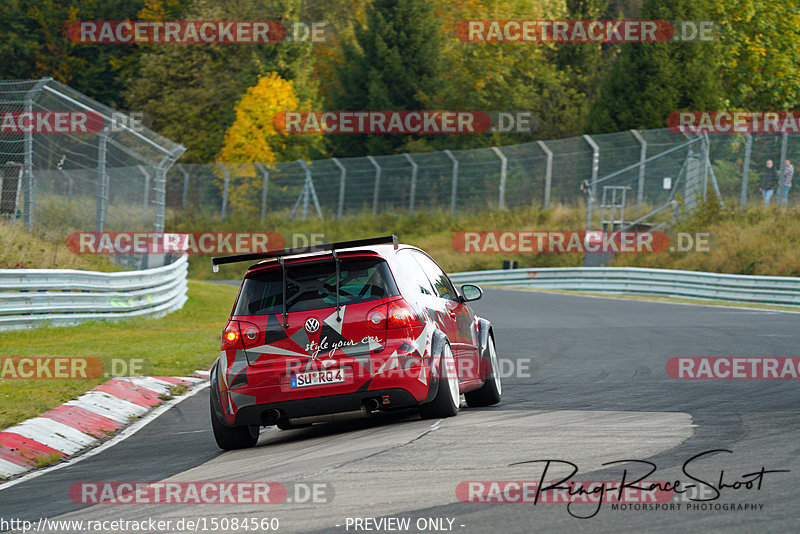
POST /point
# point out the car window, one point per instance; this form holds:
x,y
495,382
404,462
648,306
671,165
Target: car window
x,y
409,274
311,286
441,284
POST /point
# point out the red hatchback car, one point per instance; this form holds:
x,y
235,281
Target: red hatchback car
x,y
354,326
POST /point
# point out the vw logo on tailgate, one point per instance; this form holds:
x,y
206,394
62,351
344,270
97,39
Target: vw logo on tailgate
x,y
312,325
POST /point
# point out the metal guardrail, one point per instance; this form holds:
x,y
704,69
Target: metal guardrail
x,y
782,290
60,297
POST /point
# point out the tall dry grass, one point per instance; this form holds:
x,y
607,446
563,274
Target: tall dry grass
x,y
22,250
758,240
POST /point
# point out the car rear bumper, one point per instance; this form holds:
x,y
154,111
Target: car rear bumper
x,y
261,414
247,393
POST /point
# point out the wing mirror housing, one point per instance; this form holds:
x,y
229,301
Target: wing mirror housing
x,y
470,292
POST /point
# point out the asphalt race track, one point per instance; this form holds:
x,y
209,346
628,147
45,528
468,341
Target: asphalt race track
x,y
591,388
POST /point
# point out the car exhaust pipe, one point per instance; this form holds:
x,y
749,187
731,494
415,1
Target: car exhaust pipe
x,y
270,417
369,406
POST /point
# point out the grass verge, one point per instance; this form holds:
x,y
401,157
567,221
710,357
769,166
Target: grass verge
x,y
22,250
174,345
431,231
756,241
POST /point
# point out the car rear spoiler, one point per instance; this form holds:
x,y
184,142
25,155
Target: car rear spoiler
x,y
328,247
282,254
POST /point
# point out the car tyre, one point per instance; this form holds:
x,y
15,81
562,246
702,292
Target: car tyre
x,y
231,438
447,399
488,394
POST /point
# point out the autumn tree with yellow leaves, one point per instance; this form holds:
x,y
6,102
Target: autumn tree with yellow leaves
x,y
253,138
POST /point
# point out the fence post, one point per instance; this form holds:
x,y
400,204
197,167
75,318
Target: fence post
x,y
160,190
306,191
102,182
454,186
642,159
70,186
309,192
706,165
710,172
715,185
501,199
342,178
784,146
595,163
28,179
146,193
589,206
748,146
264,186
185,195
413,192
377,184
548,172
28,186
224,211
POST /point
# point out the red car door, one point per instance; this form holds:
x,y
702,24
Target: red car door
x,y
461,327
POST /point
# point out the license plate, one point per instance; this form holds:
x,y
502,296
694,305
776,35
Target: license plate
x,y
316,378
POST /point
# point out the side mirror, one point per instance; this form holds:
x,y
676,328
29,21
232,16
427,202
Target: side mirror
x,y
470,292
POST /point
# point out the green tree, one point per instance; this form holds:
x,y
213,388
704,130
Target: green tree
x,y
253,138
513,76
340,17
649,81
759,43
394,63
583,64
20,43
34,45
190,91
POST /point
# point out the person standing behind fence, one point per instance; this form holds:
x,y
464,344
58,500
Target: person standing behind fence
x,y
770,181
786,182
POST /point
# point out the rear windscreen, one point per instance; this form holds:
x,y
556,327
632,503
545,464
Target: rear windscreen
x,y
311,286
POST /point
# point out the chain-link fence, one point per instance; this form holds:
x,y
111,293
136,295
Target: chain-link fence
x,y
77,165
119,177
650,164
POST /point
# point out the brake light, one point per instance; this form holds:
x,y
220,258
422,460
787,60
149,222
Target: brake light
x,y
402,316
240,335
393,315
231,338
